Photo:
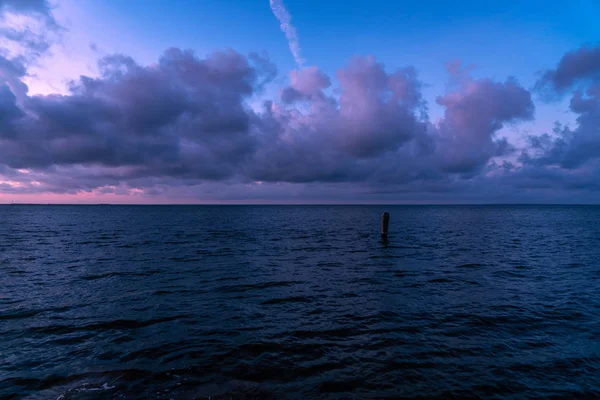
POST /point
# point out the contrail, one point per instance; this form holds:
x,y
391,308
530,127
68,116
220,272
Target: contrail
x,y
290,32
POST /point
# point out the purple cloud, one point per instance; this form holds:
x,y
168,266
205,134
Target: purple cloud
x,y
306,84
574,66
183,116
323,138
37,8
27,44
474,114
377,129
571,148
184,124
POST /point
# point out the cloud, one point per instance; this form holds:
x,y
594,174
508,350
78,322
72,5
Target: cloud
x,y
312,136
183,127
12,72
285,22
574,66
571,148
305,85
474,114
378,129
36,8
184,116
28,26
568,147
27,31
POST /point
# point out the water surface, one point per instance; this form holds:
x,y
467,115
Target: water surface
x,y
184,302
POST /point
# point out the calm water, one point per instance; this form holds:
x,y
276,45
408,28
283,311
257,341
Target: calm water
x,y
111,302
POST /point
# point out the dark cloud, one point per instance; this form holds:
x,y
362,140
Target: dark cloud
x,y
183,126
378,130
35,43
13,68
566,147
184,116
571,148
27,44
36,8
574,66
313,136
12,72
474,114
8,109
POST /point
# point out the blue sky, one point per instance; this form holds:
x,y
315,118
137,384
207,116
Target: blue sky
x,y
527,40
500,38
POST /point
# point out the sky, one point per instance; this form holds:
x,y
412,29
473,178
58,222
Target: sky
x,y
299,101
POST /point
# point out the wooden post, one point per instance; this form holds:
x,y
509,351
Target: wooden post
x,y
385,221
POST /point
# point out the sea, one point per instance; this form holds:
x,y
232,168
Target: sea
x,y
299,302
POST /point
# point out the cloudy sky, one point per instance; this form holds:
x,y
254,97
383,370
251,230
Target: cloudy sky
x,y
299,101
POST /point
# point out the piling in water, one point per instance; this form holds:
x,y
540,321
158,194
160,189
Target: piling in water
x,y
385,221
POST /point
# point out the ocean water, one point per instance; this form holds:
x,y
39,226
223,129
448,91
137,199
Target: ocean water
x,y
299,302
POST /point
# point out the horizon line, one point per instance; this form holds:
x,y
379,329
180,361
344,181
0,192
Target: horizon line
x,y
302,204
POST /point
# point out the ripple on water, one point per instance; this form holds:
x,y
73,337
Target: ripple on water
x,y
299,302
